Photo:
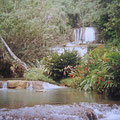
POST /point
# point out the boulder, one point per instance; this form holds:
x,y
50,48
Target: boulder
x,y
12,84
91,115
21,85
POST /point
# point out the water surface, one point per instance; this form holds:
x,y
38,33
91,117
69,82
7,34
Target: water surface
x,y
11,98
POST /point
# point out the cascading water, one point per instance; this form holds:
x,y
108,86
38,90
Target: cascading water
x,y
29,85
48,86
4,85
84,35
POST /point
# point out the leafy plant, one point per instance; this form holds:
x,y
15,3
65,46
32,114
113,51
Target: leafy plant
x,y
99,71
56,63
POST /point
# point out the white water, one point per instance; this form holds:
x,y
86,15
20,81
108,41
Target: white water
x,y
81,50
82,111
106,111
4,85
29,85
84,35
47,86
81,35
114,114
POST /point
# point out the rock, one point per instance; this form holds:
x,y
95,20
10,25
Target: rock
x,y
41,91
91,115
37,85
115,106
64,45
16,84
12,84
0,84
21,85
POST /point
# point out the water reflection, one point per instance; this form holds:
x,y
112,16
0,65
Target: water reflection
x,y
21,98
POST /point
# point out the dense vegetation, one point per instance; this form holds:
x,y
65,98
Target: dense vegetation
x,y
109,22
98,71
59,66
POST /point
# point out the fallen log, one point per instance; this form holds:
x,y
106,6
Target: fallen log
x,y
20,62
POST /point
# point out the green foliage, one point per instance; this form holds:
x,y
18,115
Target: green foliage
x,y
71,82
6,6
109,22
33,27
56,63
36,74
91,47
99,71
81,12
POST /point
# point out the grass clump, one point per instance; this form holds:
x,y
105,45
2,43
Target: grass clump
x,y
36,74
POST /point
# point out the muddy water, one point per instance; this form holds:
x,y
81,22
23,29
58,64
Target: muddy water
x,y
11,98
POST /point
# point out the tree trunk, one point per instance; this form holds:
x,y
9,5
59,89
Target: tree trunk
x,y
13,55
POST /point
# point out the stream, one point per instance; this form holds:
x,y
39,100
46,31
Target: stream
x,y
56,104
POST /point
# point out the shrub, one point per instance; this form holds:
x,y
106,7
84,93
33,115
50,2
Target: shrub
x,y
91,47
56,63
71,82
100,71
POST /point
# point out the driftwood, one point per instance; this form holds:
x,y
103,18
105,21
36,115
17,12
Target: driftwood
x,y
13,55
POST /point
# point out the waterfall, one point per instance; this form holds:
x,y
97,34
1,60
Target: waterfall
x,y
4,85
29,85
81,35
76,35
84,35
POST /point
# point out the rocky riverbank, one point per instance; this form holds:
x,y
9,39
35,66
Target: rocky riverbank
x,y
20,84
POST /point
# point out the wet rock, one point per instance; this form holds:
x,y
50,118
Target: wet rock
x,y
21,85
115,106
91,115
12,84
0,84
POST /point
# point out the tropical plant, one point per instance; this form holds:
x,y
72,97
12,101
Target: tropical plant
x,y
56,63
99,71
